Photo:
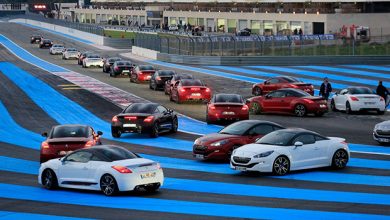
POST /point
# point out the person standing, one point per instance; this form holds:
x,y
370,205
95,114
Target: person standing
x,y
381,90
325,89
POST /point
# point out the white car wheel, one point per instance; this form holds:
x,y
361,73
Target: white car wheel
x,y
108,185
281,166
340,159
49,179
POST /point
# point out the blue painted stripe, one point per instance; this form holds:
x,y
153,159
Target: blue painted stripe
x,y
371,164
29,167
319,75
267,74
197,127
57,33
350,71
171,206
28,57
25,215
370,67
208,72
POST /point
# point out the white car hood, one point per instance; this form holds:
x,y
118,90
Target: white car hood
x,y
250,150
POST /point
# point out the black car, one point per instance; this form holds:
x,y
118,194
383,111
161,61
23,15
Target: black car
x,y
149,118
108,63
122,67
45,43
158,79
35,39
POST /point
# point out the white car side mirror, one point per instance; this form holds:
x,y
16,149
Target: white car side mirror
x,y
298,144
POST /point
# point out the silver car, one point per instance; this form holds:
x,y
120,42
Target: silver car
x,y
70,53
382,132
56,49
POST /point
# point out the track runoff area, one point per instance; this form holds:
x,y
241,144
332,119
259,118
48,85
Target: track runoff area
x,y
193,189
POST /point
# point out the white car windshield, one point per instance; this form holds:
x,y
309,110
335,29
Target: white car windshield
x,y
280,137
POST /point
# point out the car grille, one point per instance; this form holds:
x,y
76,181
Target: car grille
x,y
200,148
241,159
382,132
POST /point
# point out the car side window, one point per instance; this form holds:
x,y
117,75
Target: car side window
x,y
96,158
277,94
273,81
162,109
344,91
305,139
80,157
261,130
319,138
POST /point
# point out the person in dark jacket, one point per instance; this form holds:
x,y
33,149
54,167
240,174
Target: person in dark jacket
x,y
381,90
325,89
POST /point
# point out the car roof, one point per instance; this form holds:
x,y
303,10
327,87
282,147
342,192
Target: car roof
x,y
290,89
255,121
230,94
299,131
145,103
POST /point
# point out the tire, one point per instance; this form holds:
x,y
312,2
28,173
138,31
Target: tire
x,y
348,108
333,105
380,112
175,125
300,110
108,185
49,179
257,91
104,69
255,108
154,131
281,166
115,133
340,159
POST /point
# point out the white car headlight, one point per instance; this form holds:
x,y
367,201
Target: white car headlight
x,y
219,143
265,154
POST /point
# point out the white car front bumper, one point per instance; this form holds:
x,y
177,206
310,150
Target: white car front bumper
x,y
255,164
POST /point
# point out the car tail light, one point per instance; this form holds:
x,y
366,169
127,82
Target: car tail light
x,y
244,108
116,68
353,98
45,145
149,119
309,101
382,99
158,78
182,90
89,143
131,117
121,169
207,90
212,107
115,119
294,86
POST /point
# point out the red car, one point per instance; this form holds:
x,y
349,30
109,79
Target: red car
x,y
170,83
221,145
82,56
226,107
190,90
142,73
63,139
291,101
281,82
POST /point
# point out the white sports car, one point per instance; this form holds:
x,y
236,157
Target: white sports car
x,y
70,53
107,168
56,49
93,60
357,99
291,149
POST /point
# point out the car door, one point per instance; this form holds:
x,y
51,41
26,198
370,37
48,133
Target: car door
x,y
165,117
271,85
271,102
341,99
306,155
257,131
322,147
74,169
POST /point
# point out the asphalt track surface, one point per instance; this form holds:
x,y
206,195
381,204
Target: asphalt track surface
x,y
33,100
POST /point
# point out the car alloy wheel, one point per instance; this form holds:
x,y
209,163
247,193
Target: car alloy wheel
x,y
333,105
108,185
116,133
348,109
300,110
49,179
281,166
154,132
255,108
340,159
257,91
175,125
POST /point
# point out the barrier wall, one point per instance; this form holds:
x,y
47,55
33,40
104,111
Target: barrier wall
x,y
93,38
143,52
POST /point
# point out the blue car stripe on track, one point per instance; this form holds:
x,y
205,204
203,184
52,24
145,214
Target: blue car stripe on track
x,y
350,71
172,206
30,167
25,215
370,67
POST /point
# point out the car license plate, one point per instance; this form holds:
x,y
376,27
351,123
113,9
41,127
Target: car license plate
x,y
240,168
125,71
129,125
322,106
148,175
195,94
228,113
199,156
148,77
384,140
36,40
369,103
